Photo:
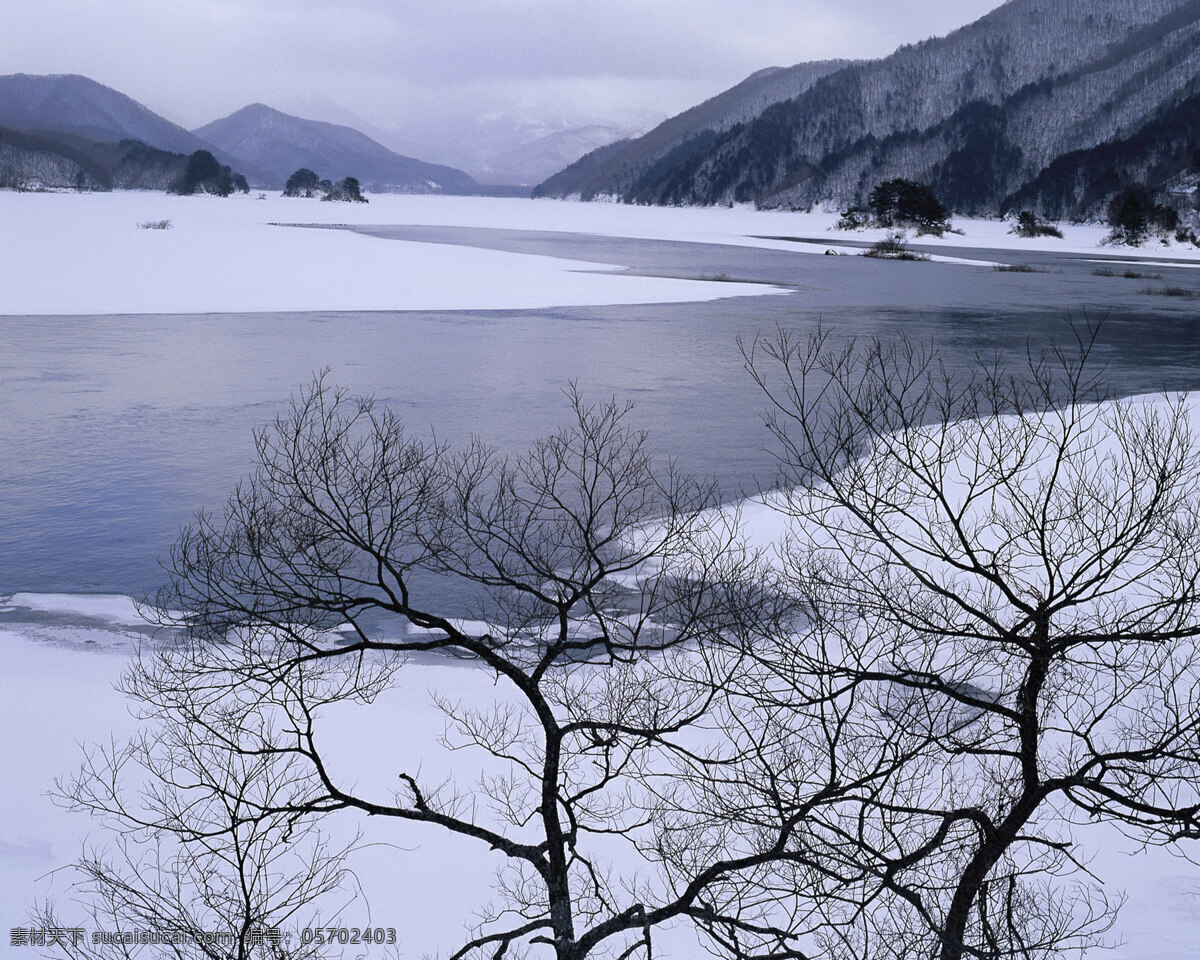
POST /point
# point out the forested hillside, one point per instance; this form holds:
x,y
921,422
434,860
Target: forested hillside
x,y
983,115
46,161
614,168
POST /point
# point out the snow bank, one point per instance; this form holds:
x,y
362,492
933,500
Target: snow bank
x,y
51,699
110,608
85,254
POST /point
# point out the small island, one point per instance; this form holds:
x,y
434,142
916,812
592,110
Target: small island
x,y
306,183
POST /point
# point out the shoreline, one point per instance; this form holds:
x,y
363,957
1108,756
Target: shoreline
x,y
85,255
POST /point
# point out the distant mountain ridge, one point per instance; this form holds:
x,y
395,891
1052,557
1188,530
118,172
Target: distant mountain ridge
x,y
508,148
979,114
264,144
278,144
75,105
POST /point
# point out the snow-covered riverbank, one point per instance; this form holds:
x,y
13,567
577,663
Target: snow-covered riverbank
x,y
85,253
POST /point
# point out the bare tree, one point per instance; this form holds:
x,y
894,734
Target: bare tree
x,y
610,591
980,632
1001,581
203,863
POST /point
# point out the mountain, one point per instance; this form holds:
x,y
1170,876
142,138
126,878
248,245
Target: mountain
x,y
49,161
507,149
541,156
63,106
75,105
1164,153
613,168
279,144
980,114
528,140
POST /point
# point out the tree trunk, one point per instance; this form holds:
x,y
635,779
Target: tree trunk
x,y
975,877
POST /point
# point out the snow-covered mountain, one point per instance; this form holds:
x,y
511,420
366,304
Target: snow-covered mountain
x,y
509,150
521,142
1163,154
979,114
279,144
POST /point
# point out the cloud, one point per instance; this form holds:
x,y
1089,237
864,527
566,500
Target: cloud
x,y
403,63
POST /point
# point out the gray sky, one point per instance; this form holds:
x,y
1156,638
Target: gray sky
x,y
403,66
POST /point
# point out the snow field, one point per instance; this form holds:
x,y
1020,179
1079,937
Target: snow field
x,y
85,253
414,878
57,696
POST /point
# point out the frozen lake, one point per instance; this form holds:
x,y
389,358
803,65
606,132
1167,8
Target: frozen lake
x,y
116,428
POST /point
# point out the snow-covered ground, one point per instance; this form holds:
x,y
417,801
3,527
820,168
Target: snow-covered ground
x,y
57,677
85,253
56,672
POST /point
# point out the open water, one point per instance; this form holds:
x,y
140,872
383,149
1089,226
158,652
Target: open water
x,y
115,429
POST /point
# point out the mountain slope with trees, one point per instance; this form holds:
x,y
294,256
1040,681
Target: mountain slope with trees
x,y
61,161
1164,152
278,143
71,105
978,114
613,168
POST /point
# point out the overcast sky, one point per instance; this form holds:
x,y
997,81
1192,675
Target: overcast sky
x,y
399,63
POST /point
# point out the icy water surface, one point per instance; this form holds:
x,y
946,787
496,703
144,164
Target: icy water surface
x,y
115,429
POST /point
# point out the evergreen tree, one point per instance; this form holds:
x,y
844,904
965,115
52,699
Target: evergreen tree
x,y
205,174
352,189
901,202
347,189
1134,214
302,183
1129,216
1029,226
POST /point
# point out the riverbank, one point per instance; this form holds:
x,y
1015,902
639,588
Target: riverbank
x,y
142,253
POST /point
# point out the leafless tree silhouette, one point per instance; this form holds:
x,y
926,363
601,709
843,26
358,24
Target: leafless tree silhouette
x,y
205,862
605,594
978,635
1001,581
